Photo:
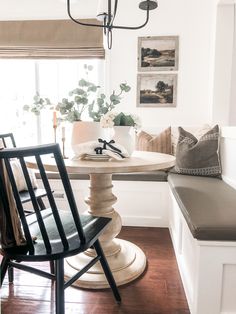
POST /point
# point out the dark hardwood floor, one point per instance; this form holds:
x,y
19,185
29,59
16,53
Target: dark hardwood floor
x,y
158,291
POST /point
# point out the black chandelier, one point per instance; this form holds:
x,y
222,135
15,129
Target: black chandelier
x,y
107,17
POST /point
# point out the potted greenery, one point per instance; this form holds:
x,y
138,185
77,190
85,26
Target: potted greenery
x,y
86,97
82,100
38,104
121,124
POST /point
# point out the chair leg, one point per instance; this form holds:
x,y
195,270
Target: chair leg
x,y
4,267
10,274
107,271
52,267
41,203
60,296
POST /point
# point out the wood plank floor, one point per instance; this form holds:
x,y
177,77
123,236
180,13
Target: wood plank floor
x,y
158,291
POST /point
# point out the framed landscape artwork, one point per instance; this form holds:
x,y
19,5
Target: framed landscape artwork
x,y
156,90
158,53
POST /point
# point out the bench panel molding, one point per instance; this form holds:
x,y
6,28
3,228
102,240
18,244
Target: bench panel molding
x,y
140,203
207,268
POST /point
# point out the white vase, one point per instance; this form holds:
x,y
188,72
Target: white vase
x,y
124,135
85,131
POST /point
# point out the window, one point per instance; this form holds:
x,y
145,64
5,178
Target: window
x,y
19,82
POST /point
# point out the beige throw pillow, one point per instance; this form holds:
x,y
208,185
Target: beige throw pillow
x,y
19,176
160,143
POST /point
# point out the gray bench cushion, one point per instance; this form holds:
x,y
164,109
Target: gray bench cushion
x,y
157,175
208,205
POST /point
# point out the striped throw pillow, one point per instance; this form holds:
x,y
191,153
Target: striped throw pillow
x,y
160,143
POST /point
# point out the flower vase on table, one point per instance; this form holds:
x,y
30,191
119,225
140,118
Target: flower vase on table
x,y
124,135
85,131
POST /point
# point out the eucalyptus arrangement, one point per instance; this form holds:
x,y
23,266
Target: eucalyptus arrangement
x,y
85,97
38,104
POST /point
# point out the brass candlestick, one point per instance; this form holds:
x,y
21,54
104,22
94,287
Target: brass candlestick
x,y
63,148
55,133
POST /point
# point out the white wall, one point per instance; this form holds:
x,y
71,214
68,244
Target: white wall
x,y
45,9
194,22
223,109
228,154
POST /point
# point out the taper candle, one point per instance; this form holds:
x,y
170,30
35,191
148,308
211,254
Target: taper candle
x,y
54,119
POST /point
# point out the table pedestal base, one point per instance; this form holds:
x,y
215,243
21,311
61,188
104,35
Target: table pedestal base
x,y
126,265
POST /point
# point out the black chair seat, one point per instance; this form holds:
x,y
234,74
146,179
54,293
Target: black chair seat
x,y
92,226
25,197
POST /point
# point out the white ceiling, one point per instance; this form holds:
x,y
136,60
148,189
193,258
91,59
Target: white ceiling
x,y
45,9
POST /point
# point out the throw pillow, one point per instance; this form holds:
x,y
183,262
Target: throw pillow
x,y
197,131
198,157
19,176
160,143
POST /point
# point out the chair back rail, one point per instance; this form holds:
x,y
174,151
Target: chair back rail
x,y
36,152
7,136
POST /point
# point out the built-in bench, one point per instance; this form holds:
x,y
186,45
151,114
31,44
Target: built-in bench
x,y
202,223
208,206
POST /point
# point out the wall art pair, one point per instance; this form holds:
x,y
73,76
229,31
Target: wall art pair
x,y
158,57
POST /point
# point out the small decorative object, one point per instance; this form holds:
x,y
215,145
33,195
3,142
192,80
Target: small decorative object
x,y
55,125
100,150
63,139
158,53
121,124
156,90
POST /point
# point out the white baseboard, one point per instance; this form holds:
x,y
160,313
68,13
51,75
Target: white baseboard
x,y
144,221
229,181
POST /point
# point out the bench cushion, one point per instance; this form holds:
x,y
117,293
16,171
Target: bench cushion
x,y
155,175
207,204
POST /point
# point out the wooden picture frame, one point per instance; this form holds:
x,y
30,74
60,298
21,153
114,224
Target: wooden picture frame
x,y
158,53
156,90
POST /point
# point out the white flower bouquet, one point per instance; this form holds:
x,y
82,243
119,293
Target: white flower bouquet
x,y
113,118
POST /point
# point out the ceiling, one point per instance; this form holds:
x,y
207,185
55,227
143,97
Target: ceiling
x,y
45,9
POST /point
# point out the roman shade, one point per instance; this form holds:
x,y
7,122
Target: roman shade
x,y
50,39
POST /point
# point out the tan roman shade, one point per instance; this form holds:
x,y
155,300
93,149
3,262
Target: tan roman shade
x,y
50,39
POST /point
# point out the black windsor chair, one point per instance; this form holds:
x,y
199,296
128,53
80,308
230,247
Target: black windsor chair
x,y
8,141
51,234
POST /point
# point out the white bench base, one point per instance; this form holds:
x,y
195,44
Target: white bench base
x,y
207,268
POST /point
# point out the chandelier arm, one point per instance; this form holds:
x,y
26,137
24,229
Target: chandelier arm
x,y
107,25
134,27
109,20
115,11
81,23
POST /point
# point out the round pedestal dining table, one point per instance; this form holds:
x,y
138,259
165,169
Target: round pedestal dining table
x,y
126,260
